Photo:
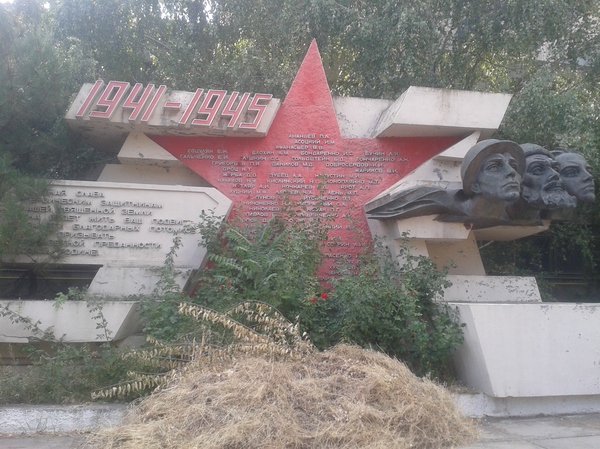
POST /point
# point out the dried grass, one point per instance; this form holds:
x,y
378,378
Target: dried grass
x,y
346,397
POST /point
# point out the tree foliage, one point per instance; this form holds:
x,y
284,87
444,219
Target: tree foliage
x,y
21,233
39,75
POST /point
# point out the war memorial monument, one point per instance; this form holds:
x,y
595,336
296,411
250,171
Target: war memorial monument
x,y
422,166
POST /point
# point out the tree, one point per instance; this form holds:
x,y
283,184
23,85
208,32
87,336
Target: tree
x,y
379,48
28,236
39,76
556,106
142,41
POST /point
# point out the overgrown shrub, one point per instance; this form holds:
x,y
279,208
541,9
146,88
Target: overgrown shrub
x,y
274,262
389,305
59,372
377,302
65,374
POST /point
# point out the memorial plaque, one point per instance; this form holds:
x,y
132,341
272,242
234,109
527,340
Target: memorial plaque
x,y
128,224
303,147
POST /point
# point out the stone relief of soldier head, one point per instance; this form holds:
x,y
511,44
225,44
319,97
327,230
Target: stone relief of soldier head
x,y
575,172
542,186
492,168
542,189
491,176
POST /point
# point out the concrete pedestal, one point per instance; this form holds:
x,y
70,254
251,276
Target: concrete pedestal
x,y
530,358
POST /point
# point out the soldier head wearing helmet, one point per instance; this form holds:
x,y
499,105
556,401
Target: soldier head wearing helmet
x,y
493,168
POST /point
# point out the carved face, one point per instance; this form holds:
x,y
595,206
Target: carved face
x,y
542,186
498,178
575,173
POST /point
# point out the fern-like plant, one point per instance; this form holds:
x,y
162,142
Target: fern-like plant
x,y
274,262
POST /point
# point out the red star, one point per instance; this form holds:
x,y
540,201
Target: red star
x,y
357,169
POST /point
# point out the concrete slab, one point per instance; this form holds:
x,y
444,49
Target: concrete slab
x,y
534,351
502,445
543,432
58,419
592,442
42,442
590,421
540,428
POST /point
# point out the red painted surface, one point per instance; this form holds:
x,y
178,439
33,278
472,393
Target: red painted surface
x,y
110,99
303,144
137,105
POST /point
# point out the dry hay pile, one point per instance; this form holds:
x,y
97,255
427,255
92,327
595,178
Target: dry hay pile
x,y
346,397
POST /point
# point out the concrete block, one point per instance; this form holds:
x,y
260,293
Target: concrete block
x,y
357,117
144,174
530,350
496,289
140,149
128,229
424,111
56,418
73,322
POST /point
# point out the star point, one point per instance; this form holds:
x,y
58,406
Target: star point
x,y
304,144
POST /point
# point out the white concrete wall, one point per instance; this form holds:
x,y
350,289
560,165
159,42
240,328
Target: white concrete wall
x,y
479,405
73,322
530,350
141,150
105,223
449,245
139,174
357,117
28,419
423,111
459,257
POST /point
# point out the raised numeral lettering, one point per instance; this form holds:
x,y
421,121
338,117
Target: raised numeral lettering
x,y
259,108
209,107
235,114
137,105
110,99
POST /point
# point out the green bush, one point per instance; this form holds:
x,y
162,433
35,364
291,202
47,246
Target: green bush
x,y
274,262
390,306
65,374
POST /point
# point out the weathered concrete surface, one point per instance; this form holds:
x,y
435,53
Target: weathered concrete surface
x,y
546,432
479,405
530,350
72,322
420,110
26,419
37,441
513,289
